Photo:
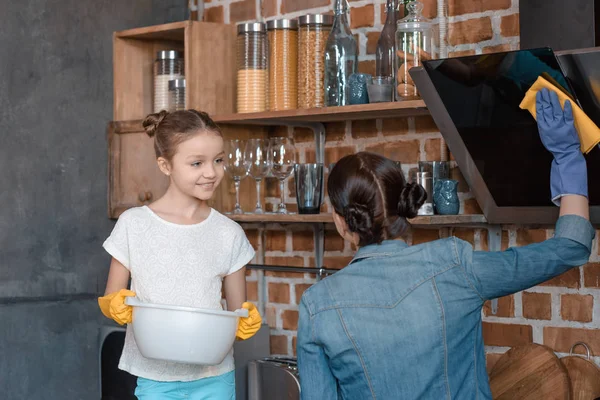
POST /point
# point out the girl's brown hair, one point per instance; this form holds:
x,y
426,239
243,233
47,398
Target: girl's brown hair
x,y
170,129
369,191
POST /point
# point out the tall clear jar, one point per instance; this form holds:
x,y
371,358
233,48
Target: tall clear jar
x,y
283,64
252,72
340,57
169,65
177,95
415,41
313,32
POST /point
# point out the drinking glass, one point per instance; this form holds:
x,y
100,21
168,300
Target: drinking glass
x,y
256,159
283,158
235,168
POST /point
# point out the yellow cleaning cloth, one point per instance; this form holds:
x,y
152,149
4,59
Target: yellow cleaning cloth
x,y
589,133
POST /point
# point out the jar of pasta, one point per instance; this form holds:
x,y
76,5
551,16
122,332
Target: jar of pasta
x,y
312,36
283,64
252,73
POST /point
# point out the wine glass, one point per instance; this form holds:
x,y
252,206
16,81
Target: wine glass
x,y
256,159
236,168
283,159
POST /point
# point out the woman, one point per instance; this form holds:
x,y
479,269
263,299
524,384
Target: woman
x,y
404,322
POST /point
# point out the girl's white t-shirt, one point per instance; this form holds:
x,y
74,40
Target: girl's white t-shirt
x,y
181,265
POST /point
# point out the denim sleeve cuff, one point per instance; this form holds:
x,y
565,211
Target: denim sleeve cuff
x,y
575,228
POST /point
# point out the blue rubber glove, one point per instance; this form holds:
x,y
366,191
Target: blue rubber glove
x,y
568,173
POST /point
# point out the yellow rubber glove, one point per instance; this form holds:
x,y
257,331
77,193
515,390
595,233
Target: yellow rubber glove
x,y
113,306
248,326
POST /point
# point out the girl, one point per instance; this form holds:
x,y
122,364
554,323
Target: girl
x,y
179,251
404,322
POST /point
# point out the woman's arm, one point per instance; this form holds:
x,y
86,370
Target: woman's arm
x,y
118,277
235,289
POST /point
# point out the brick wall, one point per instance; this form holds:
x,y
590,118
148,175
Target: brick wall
x,y
557,313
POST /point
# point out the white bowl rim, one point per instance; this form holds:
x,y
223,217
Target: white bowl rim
x,y
135,302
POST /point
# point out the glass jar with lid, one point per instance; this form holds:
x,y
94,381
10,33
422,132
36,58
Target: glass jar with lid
x,y
283,64
169,65
177,95
252,75
415,41
312,37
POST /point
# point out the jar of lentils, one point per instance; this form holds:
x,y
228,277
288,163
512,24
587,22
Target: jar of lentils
x,y
252,75
283,64
312,36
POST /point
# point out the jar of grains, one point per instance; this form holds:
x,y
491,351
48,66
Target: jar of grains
x,y
169,65
177,95
312,37
283,64
251,68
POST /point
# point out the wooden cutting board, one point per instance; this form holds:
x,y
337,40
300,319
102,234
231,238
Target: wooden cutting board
x,y
529,372
583,374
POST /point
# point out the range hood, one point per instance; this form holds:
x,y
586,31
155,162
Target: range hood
x,y
474,101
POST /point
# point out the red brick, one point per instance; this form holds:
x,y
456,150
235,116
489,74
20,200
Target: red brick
x,y
491,359
252,235
406,151
290,320
289,6
302,241
529,236
429,8
275,240
459,7
334,154
470,31
372,38
508,335
561,339
394,126
367,67
271,316
456,174
576,307
425,125
362,16
506,307
537,305
465,234
279,345
268,8
591,275
424,235
271,187
214,14
509,25
462,53
252,290
333,241
294,345
433,149
279,293
244,10
300,289
472,207
335,131
334,262
364,129
496,49
484,240
287,261
570,279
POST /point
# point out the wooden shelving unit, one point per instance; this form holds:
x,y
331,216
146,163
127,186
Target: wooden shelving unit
x,y
400,109
470,220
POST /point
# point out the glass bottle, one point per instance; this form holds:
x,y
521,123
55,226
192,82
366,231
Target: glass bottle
x,y
385,58
415,42
340,57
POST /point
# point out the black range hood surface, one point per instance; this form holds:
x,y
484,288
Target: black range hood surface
x,y
475,101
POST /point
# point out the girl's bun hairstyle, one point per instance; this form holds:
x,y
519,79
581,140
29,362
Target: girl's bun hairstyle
x,y
369,191
152,122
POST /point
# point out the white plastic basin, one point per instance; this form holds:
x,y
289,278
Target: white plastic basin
x,y
183,334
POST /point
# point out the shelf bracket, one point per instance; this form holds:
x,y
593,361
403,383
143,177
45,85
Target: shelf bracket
x,y
495,244
319,239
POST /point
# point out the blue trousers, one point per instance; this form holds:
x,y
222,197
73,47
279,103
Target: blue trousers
x,y
220,387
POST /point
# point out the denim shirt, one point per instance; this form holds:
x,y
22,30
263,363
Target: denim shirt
x,y
404,322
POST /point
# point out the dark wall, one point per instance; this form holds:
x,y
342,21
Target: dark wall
x,y
55,102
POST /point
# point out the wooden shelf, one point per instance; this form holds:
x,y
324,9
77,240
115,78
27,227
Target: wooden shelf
x,y
428,221
409,108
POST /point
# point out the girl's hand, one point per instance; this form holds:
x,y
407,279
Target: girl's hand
x,y
113,306
248,326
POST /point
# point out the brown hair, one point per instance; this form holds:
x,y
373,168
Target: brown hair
x,y
369,191
170,129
